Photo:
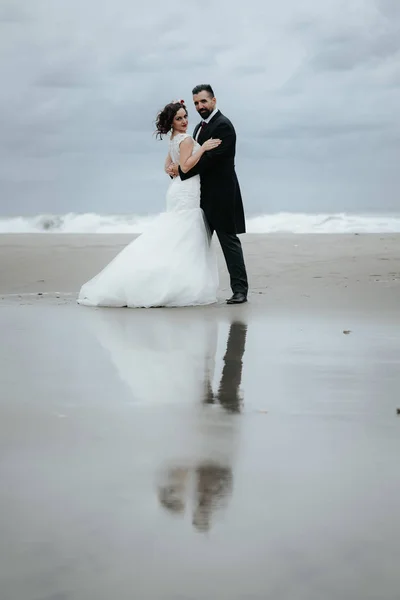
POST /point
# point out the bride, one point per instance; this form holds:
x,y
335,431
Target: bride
x,y
173,262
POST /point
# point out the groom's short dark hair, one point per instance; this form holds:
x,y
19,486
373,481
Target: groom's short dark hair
x,y
203,87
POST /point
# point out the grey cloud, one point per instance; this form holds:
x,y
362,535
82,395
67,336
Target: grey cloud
x,y
174,60
324,130
358,39
170,55
13,12
312,88
389,8
249,70
68,73
349,52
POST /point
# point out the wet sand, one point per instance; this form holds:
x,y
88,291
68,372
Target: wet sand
x,y
354,272
224,452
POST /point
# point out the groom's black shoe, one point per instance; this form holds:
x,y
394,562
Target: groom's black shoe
x,y
237,298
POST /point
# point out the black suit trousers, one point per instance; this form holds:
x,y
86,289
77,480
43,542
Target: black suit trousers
x,y
233,253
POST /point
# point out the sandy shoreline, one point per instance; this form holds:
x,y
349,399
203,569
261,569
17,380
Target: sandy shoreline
x,y
213,452
307,270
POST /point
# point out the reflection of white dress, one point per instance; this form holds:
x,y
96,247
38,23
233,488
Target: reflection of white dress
x,y
167,360
163,357
170,264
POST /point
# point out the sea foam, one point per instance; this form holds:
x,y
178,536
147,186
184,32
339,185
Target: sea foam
x,y
284,222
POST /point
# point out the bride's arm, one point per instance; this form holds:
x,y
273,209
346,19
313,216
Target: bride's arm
x,y
227,137
187,160
168,162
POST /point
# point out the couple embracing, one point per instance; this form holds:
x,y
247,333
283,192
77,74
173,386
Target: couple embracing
x,y
173,262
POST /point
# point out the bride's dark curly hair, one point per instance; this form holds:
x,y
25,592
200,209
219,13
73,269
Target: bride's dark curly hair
x,y
166,116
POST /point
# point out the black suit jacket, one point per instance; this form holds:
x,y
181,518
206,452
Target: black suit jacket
x,y
221,199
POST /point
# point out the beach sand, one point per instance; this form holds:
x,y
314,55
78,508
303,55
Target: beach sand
x,y
235,453
353,271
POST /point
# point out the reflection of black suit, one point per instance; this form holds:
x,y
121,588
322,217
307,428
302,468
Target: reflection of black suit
x,y
214,481
214,486
228,391
221,198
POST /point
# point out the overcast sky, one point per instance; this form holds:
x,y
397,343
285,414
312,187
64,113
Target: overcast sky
x,y
312,87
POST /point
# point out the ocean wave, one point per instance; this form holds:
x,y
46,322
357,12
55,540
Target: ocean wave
x,y
283,222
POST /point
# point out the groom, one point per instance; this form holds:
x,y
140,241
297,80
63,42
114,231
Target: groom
x,y
221,199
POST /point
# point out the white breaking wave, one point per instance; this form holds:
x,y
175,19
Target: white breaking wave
x,y
283,222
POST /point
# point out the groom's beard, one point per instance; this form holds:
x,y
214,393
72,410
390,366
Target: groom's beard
x,y
205,113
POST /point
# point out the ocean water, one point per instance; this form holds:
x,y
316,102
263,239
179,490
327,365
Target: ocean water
x,y
284,222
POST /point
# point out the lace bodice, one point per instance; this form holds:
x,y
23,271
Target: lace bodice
x,y
182,195
174,144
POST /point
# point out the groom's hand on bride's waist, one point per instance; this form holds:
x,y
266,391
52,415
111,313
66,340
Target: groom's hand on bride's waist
x,y
172,170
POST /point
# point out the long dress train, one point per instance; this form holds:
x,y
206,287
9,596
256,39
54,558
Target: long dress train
x,y
173,263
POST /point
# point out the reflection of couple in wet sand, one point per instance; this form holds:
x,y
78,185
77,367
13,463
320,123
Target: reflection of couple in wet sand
x,y
212,482
168,360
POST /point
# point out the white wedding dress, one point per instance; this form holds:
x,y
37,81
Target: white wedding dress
x,y
173,263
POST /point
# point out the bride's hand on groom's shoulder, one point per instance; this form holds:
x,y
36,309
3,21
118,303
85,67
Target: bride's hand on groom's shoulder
x,y
210,144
